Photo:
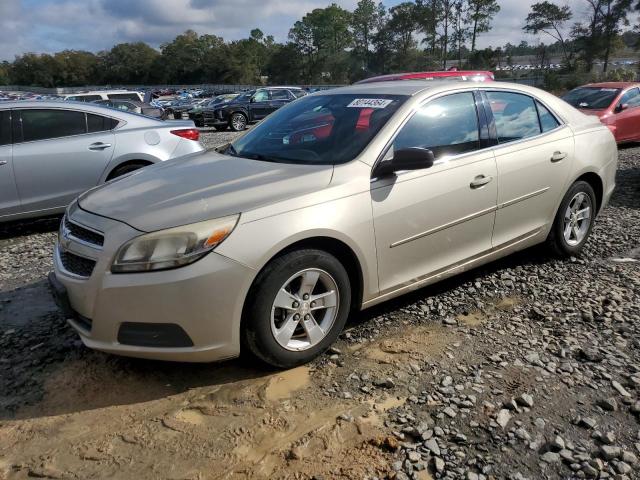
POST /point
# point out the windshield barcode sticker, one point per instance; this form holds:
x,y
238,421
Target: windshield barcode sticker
x,y
370,103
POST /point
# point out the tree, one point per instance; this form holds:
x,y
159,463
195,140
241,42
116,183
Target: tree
x,y
446,7
481,12
363,25
402,24
130,64
549,18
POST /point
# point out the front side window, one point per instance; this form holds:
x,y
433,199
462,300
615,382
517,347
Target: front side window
x,y
631,98
318,130
515,116
261,96
5,127
446,126
44,124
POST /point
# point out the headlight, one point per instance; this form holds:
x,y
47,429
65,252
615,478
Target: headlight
x,y
174,247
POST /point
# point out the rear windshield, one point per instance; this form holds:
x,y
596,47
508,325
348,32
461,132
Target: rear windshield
x,y
591,98
318,129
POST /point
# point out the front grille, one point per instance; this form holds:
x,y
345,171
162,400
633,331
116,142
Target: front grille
x,y
83,234
77,265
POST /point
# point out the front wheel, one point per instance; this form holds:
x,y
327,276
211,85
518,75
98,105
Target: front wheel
x,y
574,221
238,122
296,308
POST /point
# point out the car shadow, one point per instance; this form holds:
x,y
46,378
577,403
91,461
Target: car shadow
x,y
21,228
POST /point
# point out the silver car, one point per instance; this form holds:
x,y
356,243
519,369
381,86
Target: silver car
x,y
338,201
52,151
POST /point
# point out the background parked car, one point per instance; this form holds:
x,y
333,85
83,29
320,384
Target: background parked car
x,y
252,106
203,114
52,151
134,106
177,108
105,95
462,75
615,103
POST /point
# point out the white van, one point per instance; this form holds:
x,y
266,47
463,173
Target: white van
x,y
105,95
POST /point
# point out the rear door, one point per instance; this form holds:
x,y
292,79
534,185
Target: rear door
x,y
279,98
533,156
628,120
9,200
58,154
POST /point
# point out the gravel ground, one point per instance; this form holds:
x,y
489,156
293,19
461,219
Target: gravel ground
x,y
527,368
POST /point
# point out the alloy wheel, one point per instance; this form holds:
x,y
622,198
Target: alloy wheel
x,y
577,219
305,309
239,123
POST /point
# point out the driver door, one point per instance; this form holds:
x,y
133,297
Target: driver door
x,y
427,221
628,120
260,105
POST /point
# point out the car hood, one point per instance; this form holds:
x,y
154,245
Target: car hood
x,y
211,185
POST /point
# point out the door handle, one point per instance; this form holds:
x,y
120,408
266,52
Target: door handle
x,y
3,162
480,181
558,157
99,146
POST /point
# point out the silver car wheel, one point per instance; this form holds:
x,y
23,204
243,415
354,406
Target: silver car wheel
x,y
304,309
577,219
238,121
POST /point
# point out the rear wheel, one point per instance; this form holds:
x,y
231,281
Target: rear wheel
x,y
574,220
238,122
296,308
127,168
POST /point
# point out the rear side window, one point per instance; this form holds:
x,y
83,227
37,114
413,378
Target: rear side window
x,y
85,98
446,126
280,95
631,98
5,127
515,116
44,124
98,123
123,96
547,121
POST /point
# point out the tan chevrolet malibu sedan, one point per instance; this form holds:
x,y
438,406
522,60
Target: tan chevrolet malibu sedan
x,y
338,201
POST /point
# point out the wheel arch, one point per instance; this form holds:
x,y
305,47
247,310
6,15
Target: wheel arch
x,y
339,249
596,183
112,168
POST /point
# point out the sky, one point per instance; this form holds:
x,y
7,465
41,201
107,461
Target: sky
x,y
47,26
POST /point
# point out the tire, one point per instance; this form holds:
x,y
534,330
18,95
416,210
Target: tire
x,y
264,324
238,122
577,199
221,128
125,169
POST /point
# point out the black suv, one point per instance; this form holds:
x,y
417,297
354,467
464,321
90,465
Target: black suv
x,y
247,107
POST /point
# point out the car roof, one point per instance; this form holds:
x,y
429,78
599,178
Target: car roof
x,y
613,84
429,75
98,92
82,106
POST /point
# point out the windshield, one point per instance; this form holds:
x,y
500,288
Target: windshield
x,y
245,97
318,129
591,98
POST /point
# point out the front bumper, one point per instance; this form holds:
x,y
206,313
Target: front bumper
x,y
203,300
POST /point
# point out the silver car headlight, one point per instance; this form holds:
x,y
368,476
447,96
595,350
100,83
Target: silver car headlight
x,y
174,247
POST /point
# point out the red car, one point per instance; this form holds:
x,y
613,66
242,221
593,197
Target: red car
x,y
616,103
462,75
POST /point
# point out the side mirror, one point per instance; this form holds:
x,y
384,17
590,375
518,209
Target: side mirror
x,y
252,100
405,159
622,107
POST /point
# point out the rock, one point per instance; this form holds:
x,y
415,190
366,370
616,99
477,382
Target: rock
x,y
621,390
557,443
609,452
414,456
608,404
449,412
550,457
587,422
432,446
629,457
525,400
439,464
503,418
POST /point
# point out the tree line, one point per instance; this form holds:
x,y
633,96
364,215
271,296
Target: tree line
x,y
333,45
